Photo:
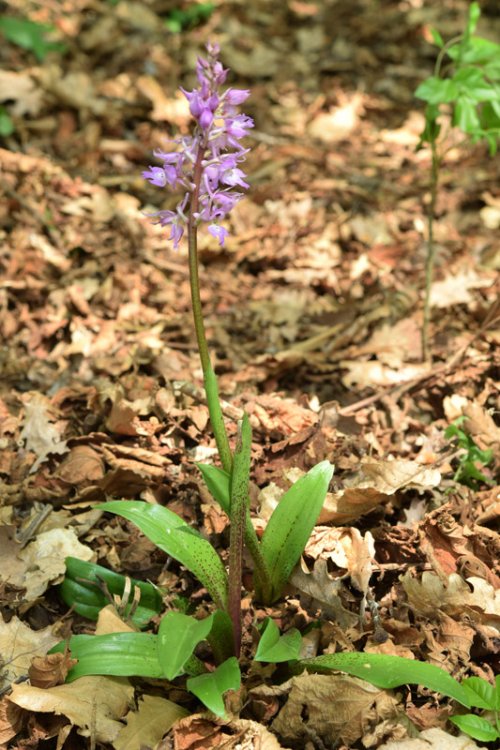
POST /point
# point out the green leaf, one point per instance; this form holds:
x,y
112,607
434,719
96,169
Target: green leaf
x,y
474,15
497,692
114,654
274,647
389,672
6,124
465,115
437,38
178,636
291,523
210,688
83,586
472,83
437,90
172,535
29,35
218,482
481,693
477,51
476,727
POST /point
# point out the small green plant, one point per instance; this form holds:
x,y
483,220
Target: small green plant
x,y
30,35
487,697
179,20
465,87
471,457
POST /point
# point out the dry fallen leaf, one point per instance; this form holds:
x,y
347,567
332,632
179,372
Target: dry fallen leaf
x,y
93,704
337,708
48,671
431,594
455,290
373,484
149,723
39,434
324,592
433,739
18,645
44,559
11,721
347,548
21,89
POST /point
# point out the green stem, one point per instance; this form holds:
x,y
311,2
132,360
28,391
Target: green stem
x,y
431,250
238,514
210,382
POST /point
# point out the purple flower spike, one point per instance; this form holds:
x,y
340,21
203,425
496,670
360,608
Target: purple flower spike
x,y
214,145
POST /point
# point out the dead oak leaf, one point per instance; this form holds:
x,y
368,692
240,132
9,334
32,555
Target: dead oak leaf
x,y
40,435
18,645
359,708
374,483
93,704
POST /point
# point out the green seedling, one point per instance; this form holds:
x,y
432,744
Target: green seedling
x,y
179,20
30,36
482,695
465,87
471,458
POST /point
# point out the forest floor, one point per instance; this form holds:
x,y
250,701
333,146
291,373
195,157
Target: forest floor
x,y
314,315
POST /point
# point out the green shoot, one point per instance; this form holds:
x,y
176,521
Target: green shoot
x,y
471,458
466,87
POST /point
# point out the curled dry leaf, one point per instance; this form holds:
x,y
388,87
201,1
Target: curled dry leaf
x,y
199,731
373,484
51,670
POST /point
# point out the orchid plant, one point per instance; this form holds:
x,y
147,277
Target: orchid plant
x,y
205,167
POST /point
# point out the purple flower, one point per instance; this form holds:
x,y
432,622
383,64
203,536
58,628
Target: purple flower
x,y
156,176
214,145
218,232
